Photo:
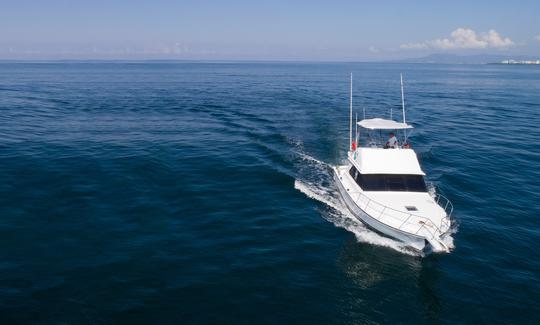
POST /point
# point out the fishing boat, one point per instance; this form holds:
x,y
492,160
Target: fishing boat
x,y
383,184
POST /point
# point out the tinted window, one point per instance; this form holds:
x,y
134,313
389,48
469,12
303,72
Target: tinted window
x,y
388,182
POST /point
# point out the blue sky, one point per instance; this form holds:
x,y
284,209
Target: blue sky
x,y
265,30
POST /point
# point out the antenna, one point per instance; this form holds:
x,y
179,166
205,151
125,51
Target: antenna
x,y
403,105
350,115
364,111
356,130
402,97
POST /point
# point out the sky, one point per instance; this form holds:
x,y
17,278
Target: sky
x,y
266,30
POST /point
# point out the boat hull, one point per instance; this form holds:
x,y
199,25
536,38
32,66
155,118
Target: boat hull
x,y
414,241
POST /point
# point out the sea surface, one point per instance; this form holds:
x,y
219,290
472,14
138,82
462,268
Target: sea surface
x,y
186,192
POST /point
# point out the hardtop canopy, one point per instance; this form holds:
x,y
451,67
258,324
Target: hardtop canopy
x,y
382,124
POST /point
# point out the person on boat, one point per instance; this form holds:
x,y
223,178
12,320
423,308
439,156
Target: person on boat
x,y
392,142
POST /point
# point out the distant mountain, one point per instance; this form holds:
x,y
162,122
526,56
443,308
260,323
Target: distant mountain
x,y
464,59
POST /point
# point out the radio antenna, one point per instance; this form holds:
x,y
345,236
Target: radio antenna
x,y
402,97
350,115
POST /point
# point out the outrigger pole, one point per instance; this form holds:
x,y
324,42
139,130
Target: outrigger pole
x,y
402,97
350,115
356,131
403,104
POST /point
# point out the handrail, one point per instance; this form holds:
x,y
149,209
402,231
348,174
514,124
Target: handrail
x,y
448,209
448,206
422,221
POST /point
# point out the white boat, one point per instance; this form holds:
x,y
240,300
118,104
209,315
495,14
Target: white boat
x,y
385,188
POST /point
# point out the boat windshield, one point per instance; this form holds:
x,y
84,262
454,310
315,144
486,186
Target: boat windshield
x,y
389,182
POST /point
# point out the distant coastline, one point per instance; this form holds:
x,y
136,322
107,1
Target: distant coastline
x,y
444,58
519,62
430,59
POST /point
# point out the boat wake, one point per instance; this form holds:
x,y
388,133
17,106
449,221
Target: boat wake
x,y
316,182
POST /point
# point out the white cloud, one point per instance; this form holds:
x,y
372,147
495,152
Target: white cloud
x,y
461,38
538,37
495,40
464,38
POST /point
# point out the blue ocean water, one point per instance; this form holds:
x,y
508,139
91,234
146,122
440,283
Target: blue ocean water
x,y
201,192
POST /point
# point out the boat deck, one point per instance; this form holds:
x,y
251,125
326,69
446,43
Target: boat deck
x,y
428,219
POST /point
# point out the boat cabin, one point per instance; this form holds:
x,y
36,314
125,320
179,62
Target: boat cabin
x,y
379,167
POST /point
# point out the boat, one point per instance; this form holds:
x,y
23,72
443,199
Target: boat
x,y
384,187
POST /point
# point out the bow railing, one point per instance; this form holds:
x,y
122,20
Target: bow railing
x,y
402,219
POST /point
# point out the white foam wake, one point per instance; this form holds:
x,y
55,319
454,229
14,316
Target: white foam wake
x,y
341,217
316,182
309,158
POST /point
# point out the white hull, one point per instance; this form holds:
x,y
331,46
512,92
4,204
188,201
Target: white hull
x,y
415,241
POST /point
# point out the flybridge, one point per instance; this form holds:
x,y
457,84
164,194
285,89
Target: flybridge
x,y
374,155
378,124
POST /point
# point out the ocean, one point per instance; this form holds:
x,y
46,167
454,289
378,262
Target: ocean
x,y
201,192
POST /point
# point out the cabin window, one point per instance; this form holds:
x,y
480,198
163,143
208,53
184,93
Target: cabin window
x,y
389,182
